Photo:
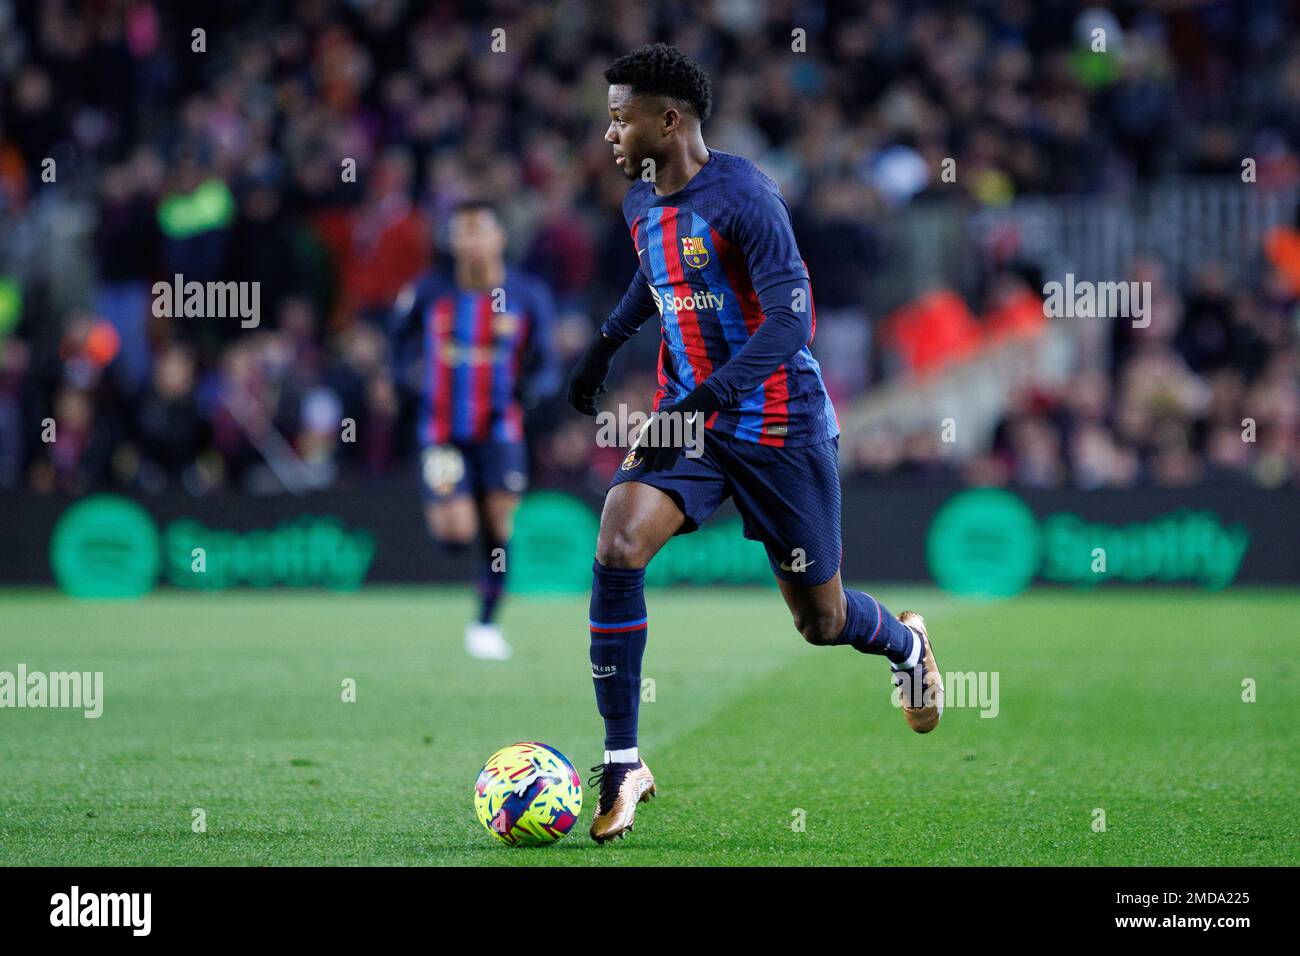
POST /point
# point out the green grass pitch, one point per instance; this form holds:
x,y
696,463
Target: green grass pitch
x,y
1127,701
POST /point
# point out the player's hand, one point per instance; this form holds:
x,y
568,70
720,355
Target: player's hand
x,y
587,380
664,436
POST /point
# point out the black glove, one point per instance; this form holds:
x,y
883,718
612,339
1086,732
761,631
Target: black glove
x,y
660,443
587,380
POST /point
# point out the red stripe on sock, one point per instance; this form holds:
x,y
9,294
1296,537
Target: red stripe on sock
x,y
879,618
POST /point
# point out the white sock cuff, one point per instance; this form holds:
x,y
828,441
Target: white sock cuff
x,y
622,756
914,658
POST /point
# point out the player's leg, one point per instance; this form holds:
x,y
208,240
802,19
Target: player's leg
x,y
790,500
637,520
445,488
635,523
452,523
829,614
497,519
497,476
448,474
639,517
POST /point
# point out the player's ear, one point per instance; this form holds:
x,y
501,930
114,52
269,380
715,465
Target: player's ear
x,y
670,120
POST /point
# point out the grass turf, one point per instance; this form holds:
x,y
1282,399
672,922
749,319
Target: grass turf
x,y
1127,701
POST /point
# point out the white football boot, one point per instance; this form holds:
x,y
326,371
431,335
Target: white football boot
x,y
485,642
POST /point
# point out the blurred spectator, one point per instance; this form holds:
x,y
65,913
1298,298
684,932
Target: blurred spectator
x,y
127,245
383,244
932,332
171,434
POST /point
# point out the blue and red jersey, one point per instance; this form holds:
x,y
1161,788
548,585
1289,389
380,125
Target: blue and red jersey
x,y
479,352
707,253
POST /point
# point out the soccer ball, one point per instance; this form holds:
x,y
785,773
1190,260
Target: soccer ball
x,y
528,794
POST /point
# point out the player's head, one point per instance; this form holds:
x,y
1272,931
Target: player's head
x,y
657,98
477,237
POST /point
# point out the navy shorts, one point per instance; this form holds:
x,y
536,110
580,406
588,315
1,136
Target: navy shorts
x,y
788,498
472,468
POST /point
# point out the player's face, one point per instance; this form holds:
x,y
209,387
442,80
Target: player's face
x,y
633,130
477,237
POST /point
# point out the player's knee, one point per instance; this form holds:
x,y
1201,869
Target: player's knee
x,y
622,549
819,628
451,532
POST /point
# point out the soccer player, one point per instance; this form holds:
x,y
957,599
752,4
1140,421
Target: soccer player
x,y
719,264
485,331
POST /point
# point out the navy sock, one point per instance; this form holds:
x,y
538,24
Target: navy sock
x,y
870,628
491,580
618,632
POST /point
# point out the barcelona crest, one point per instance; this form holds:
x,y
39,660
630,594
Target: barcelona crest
x,y
693,251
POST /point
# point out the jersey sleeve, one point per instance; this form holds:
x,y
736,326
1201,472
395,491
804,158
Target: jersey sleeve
x,y
765,235
786,328
540,374
405,334
631,313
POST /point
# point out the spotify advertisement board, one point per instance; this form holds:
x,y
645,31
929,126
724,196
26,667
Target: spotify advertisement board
x,y
980,542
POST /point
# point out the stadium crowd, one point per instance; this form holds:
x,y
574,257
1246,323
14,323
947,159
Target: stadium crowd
x,y
231,162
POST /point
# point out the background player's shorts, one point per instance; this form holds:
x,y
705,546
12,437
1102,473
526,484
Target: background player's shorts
x,y
788,498
472,468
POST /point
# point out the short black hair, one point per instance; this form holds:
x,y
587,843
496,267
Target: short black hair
x,y
663,70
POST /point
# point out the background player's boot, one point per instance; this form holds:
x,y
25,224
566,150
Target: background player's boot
x,y
622,787
921,688
485,642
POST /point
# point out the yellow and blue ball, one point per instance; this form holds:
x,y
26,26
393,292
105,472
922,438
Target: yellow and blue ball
x,y
528,794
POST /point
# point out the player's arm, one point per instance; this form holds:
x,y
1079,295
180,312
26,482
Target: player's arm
x,y
404,337
766,238
588,377
540,374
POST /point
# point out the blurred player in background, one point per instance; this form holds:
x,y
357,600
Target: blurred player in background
x,y
719,264
484,328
